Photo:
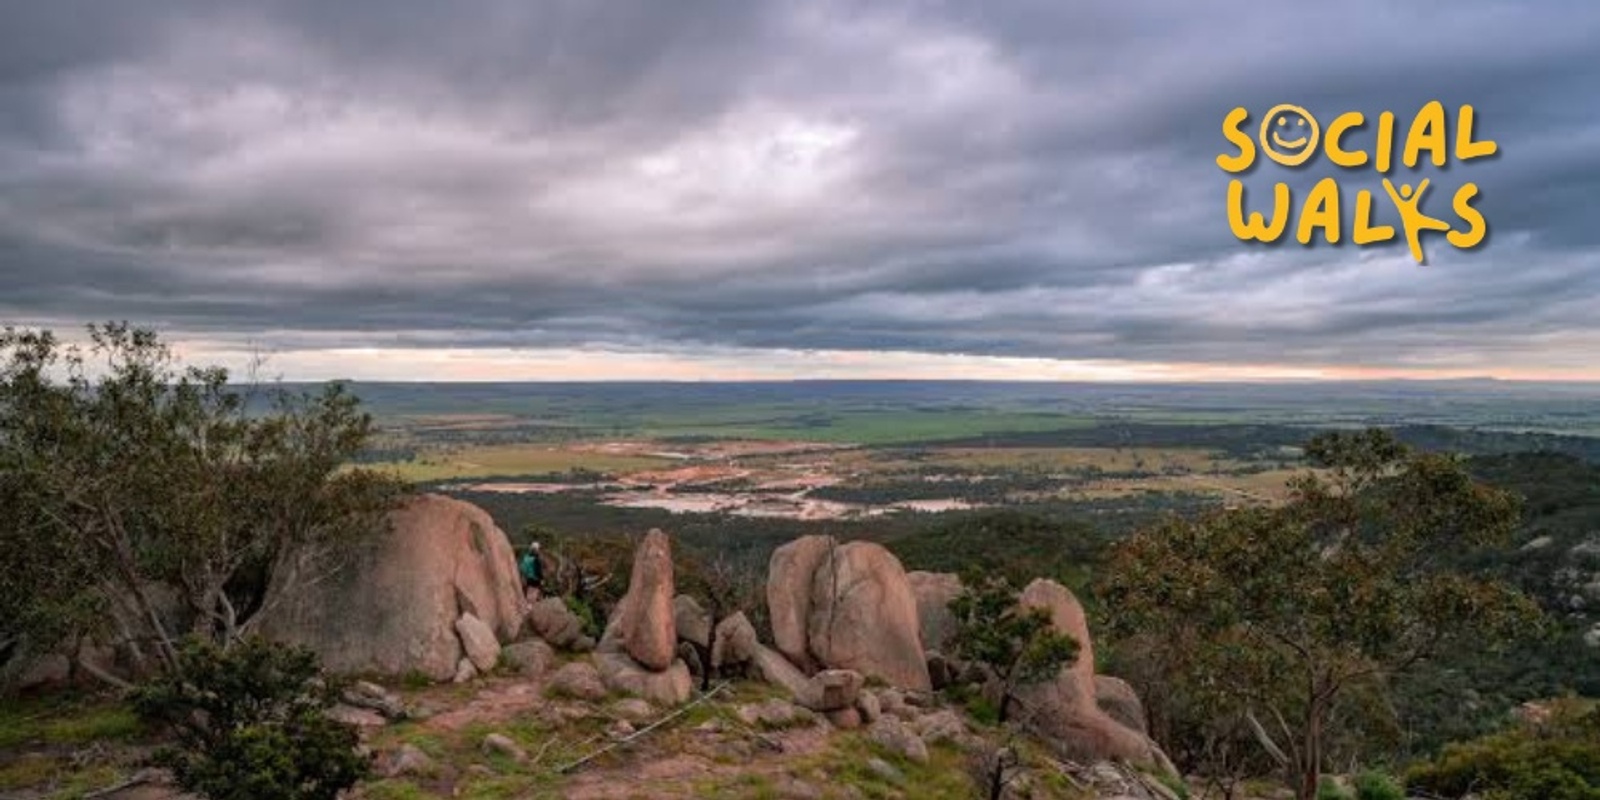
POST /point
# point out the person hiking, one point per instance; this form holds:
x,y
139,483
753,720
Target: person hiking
x,y
532,568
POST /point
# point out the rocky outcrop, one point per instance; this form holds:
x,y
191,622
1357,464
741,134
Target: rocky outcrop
x,y
479,642
638,653
789,580
1118,699
846,606
552,621
828,690
935,623
579,680
669,687
1064,711
1066,616
736,641
864,617
392,608
530,659
645,623
692,621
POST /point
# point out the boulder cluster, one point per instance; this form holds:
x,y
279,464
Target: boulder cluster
x,y
854,637
437,594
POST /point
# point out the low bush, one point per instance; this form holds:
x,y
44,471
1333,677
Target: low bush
x,y
1374,785
1554,759
251,723
1329,789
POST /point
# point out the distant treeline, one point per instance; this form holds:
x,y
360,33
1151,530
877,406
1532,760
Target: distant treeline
x,y
1248,441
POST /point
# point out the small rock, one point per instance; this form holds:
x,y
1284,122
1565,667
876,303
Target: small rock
x,y
621,729
885,770
553,622
736,641
634,709
408,759
891,700
558,714
692,621
869,707
505,746
465,671
530,659
941,726
774,713
845,719
579,680
356,717
366,694
894,736
832,689
477,639
480,771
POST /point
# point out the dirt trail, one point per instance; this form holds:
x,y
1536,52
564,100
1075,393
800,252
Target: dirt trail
x,y
498,702
698,757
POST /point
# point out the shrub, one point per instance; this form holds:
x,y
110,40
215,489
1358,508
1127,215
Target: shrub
x,y
1374,785
1329,789
1019,645
586,614
1558,759
251,724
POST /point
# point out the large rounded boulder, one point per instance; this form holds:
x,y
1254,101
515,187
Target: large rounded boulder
x,y
789,579
863,617
934,591
1064,710
393,606
646,620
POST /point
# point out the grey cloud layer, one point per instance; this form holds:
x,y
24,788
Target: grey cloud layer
x,y
998,178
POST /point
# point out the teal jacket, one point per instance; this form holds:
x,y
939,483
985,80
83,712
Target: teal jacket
x,y
532,569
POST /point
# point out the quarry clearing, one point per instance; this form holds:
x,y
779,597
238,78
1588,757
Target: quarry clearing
x,y
781,479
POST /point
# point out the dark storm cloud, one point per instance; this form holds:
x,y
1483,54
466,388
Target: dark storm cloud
x,y
1020,178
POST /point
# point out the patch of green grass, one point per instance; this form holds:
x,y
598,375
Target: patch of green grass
x,y
395,789
944,777
79,782
55,777
66,721
415,680
491,461
508,787
27,772
746,785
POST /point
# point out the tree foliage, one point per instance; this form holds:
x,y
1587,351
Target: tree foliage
x,y
1278,621
122,471
1020,645
251,723
1554,759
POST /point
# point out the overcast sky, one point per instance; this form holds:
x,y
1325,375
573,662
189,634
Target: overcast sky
x,y
739,189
